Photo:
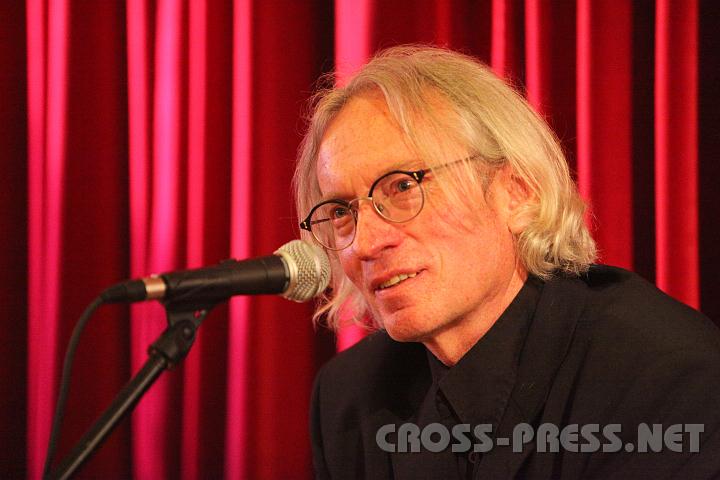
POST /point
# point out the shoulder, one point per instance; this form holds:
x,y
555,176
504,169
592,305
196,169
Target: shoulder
x,y
623,308
358,390
641,355
370,372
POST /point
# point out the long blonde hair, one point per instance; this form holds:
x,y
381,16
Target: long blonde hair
x,y
437,93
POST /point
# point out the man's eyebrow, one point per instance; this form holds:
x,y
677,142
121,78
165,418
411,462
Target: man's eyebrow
x,y
335,196
407,165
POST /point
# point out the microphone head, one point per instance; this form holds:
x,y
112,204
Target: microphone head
x,y
309,269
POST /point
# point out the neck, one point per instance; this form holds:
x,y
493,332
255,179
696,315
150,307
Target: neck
x,y
451,344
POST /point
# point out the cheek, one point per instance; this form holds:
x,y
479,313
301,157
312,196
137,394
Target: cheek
x,y
350,266
456,214
458,226
470,240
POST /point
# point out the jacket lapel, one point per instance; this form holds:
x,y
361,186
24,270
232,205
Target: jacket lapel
x,y
559,309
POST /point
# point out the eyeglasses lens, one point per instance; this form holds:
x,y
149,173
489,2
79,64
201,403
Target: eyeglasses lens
x,y
397,197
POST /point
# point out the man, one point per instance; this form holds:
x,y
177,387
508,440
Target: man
x,y
452,223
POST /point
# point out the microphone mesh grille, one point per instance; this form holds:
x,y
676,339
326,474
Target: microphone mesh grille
x,y
309,270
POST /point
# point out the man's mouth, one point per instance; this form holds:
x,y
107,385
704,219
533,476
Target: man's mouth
x,y
396,280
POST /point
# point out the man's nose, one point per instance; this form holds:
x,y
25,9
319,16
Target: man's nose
x,y
373,233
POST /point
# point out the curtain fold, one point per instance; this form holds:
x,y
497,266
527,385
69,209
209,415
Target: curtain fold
x,y
154,424
160,135
676,153
507,38
538,28
604,118
41,351
196,222
289,45
77,146
14,223
237,441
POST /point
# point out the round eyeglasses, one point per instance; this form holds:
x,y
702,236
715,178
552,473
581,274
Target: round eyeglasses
x,y
396,196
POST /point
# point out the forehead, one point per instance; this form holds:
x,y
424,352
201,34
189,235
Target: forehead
x,y
363,138
362,142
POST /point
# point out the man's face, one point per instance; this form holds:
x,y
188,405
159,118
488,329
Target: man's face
x,y
460,264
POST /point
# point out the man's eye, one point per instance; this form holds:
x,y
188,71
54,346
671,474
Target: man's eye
x,y
404,185
339,212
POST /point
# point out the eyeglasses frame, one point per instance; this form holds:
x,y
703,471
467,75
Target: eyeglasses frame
x,y
418,175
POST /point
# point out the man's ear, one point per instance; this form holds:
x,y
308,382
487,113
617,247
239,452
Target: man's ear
x,y
513,196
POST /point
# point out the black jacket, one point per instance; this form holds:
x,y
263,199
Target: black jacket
x,y
605,348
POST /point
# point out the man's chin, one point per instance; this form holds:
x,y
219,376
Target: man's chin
x,y
404,331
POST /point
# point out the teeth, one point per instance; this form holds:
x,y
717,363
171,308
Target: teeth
x,y
396,279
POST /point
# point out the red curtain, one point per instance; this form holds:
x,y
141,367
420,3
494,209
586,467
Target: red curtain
x,y
149,136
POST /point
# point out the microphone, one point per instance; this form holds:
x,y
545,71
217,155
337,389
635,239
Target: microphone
x,y
298,271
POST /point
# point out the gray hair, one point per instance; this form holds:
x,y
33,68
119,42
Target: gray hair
x,y
437,93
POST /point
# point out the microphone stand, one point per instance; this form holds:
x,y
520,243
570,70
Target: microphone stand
x,y
168,350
